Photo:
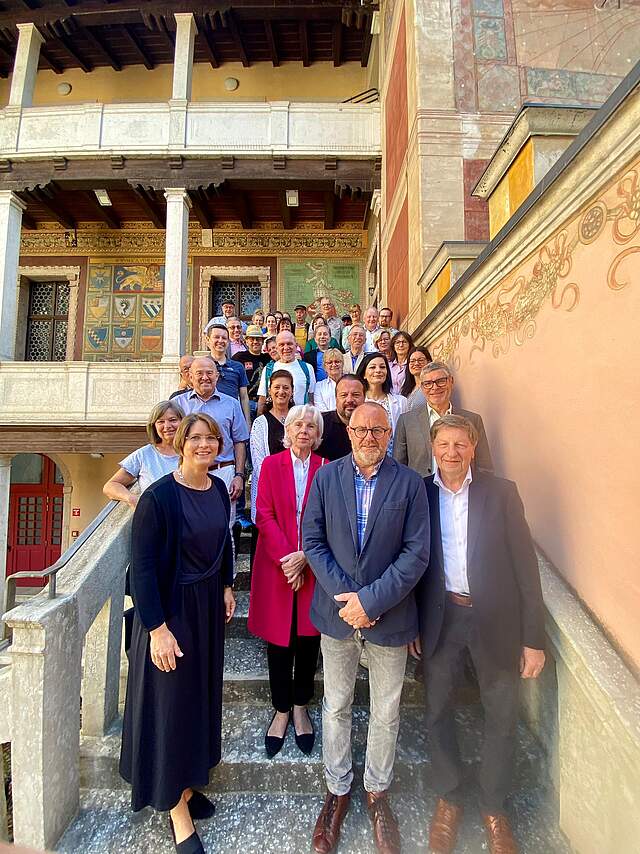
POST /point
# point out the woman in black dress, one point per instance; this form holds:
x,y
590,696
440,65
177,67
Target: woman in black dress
x,y
181,577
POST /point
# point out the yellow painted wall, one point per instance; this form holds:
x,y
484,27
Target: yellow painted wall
x,y
499,206
512,189
88,476
262,82
443,280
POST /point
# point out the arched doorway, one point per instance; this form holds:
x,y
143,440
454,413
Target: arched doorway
x,y
35,513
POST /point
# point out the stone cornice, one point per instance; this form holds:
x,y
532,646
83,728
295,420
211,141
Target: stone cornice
x,y
449,250
532,120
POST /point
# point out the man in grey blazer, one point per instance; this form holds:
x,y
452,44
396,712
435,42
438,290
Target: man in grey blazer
x,y
412,442
366,537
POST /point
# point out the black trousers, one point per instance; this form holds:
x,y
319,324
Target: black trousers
x,y
499,696
292,668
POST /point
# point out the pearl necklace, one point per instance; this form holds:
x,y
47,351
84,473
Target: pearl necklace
x,y
190,485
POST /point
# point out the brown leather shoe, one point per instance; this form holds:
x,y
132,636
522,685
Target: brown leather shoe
x,y
385,827
499,834
443,831
327,829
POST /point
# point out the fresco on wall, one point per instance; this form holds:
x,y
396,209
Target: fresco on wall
x,y
507,52
308,280
124,312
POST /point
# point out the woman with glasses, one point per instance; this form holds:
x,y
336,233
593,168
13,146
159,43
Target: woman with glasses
x,y
419,358
181,576
400,347
374,371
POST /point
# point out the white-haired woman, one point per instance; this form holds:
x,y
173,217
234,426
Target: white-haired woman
x,y
282,583
324,396
152,461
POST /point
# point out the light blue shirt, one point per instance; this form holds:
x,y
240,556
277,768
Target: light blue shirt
x,y
225,411
148,465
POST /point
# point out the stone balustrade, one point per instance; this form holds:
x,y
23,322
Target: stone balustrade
x,y
188,128
50,679
82,392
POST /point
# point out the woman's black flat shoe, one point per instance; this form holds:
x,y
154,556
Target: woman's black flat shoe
x,y
306,741
200,807
272,743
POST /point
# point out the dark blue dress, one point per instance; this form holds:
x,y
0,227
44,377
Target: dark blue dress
x,y
172,724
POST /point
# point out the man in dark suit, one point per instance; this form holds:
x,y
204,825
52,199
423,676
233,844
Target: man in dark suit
x,y
366,537
481,593
411,442
350,393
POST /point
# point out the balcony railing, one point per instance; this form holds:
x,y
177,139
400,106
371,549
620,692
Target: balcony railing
x,y
82,392
185,128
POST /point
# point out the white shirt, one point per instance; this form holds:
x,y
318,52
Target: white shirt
x,y
300,476
149,465
299,380
454,522
369,346
324,397
433,417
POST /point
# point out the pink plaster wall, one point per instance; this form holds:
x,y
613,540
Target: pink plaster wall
x,y
550,358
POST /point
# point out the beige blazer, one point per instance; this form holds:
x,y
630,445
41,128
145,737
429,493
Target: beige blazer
x,y
412,440
348,368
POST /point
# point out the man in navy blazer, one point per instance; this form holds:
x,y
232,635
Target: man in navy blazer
x,y
481,596
366,537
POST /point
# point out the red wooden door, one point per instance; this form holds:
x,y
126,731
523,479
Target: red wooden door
x,y
35,515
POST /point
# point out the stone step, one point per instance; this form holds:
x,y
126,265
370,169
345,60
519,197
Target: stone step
x,y
277,823
237,628
245,766
246,676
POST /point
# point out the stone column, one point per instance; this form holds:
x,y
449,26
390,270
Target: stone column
x,y
25,66
74,290
46,656
186,31
175,274
11,209
5,486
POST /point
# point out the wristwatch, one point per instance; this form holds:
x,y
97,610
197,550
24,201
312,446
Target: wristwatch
x,y
239,474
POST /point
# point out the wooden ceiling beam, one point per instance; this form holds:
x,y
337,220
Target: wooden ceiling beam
x,y
367,211
100,47
134,42
304,43
234,32
207,42
53,64
71,49
366,42
329,210
150,206
105,214
271,41
50,203
336,44
198,204
240,202
285,211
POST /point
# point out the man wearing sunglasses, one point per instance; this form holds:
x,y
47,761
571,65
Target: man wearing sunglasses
x,y
366,537
412,439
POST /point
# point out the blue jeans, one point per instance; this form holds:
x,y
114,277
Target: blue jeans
x,y
386,676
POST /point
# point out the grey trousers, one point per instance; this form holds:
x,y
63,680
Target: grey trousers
x,y
386,675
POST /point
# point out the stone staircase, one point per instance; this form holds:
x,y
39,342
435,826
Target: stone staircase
x,y
270,805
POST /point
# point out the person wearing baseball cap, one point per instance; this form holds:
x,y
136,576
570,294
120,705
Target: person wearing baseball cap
x,y
301,328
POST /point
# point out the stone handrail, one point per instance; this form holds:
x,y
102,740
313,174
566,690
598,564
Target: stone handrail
x,y
82,392
50,681
191,128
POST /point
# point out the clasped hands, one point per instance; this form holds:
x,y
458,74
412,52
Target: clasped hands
x,y
353,613
293,566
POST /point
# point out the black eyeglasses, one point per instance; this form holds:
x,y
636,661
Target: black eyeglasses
x,y
376,432
439,383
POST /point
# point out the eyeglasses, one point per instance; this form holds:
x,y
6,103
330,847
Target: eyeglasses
x,y
376,432
439,383
417,363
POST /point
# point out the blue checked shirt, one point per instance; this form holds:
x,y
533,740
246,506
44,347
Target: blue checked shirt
x,y
364,496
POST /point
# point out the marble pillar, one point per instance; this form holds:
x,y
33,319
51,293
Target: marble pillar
x,y
175,274
5,486
25,66
11,209
186,31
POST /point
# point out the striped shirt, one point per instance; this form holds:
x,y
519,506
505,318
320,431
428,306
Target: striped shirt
x,y
365,487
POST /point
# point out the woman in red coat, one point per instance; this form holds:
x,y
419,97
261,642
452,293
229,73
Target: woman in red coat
x,y
282,582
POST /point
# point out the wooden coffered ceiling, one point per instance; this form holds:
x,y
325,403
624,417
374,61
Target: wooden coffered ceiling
x,y
87,34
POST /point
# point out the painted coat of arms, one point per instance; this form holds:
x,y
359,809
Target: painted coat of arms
x,y
152,307
123,336
125,306
97,338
